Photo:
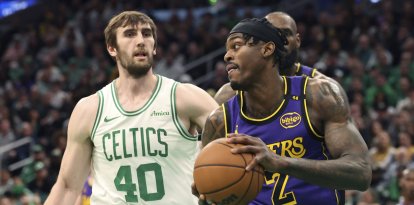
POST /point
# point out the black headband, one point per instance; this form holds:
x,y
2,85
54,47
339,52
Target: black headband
x,y
261,29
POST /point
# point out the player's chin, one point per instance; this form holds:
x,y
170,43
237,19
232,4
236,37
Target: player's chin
x,y
235,85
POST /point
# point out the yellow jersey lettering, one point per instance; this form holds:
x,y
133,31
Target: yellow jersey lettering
x,y
289,148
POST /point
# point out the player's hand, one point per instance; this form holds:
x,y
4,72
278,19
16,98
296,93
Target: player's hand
x,y
254,145
201,197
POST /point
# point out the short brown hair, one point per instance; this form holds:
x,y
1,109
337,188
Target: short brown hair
x,y
124,19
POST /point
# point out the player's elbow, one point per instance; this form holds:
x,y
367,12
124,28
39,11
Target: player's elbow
x,y
365,177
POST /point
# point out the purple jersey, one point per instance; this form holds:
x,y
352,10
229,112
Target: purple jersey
x,y
305,70
87,192
287,132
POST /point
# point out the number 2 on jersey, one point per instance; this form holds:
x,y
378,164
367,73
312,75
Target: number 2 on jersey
x,y
279,195
123,182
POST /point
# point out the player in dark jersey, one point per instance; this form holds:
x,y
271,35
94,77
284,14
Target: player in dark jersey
x,y
288,65
298,128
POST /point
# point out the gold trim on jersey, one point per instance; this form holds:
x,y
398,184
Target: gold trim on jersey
x,y
306,110
313,72
225,119
271,115
297,68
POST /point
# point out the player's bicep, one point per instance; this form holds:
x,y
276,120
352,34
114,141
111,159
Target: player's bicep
x,y
194,103
214,127
341,135
79,146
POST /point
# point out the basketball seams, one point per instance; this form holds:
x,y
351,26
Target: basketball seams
x,y
247,188
245,161
219,165
229,185
238,185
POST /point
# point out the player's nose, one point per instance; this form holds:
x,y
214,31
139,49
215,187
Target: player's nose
x,y
228,56
139,40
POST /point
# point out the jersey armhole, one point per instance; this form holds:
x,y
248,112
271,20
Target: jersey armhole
x,y
98,114
226,118
177,122
308,123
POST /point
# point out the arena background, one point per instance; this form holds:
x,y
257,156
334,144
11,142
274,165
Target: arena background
x,y
52,53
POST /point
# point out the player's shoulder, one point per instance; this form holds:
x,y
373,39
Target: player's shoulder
x,y
190,91
304,70
193,96
188,88
324,82
323,86
327,96
88,102
83,117
87,108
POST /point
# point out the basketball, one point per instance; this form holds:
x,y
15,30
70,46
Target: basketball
x,y
222,177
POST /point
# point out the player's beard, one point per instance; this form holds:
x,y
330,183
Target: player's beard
x,y
235,85
241,84
136,69
288,61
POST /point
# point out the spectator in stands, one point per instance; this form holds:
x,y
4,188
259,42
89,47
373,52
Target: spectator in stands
x,y
381,154
388,187
6,181
7,134
407,187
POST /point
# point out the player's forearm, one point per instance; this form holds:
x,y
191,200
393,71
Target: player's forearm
x,y
348,172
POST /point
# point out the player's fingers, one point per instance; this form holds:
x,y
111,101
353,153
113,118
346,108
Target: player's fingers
x,y
202,200
245,149
194,190
252,164
239,139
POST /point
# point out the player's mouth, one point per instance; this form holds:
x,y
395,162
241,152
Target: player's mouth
x,y
231,67
140,55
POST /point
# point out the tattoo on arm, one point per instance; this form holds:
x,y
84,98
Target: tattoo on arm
x,y
332,99
214,127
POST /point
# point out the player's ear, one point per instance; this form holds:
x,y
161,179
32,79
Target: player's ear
x,y
154,52
111,50
268,49
297,39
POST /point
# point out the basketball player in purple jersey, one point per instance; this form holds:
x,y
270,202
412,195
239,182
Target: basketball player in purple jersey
x,y
288,65
298,128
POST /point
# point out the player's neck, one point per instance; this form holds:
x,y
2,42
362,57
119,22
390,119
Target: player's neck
x,y
136,84
132,93
264,99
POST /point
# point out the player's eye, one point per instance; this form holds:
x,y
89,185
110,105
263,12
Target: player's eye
x,y
147,33
130,33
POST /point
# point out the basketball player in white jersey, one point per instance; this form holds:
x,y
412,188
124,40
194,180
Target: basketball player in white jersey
x,y
137,134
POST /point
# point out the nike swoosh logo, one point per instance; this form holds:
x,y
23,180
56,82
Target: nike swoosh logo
x,y
110,119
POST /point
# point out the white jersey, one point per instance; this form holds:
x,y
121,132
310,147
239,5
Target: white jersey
x,y
145,156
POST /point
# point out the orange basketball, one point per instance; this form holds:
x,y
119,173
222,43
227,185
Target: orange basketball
x,y
222,177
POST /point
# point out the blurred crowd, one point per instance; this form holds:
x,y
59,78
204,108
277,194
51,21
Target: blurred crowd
x,y
48,66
